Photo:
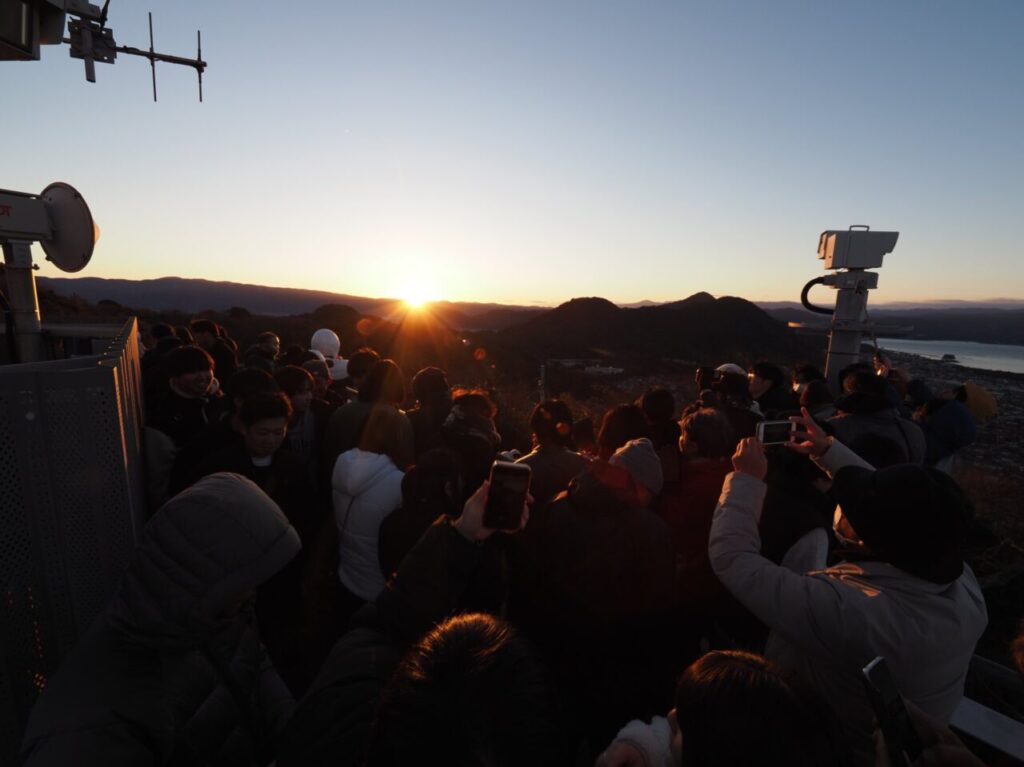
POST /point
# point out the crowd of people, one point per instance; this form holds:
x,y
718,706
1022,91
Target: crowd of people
x,y
316,584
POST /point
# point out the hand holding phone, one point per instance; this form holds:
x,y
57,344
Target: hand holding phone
x,y
509,487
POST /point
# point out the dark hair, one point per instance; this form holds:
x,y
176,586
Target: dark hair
x,y
866,382
247,382
470,692
161,330
204,326
185,335
383,383
265,405
619,425
267,335
294,355
433,480
360,363
769,371
475,401
291,379
806,372
658,404
738,708
430,386
852,370
187,359
551,422
710,431
816,393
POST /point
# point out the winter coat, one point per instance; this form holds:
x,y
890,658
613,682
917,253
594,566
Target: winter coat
x,y
173,672
948,426
331,723
848,426
829,623
366,488
592,587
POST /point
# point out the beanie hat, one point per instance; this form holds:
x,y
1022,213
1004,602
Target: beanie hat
x,y
643,464
910,516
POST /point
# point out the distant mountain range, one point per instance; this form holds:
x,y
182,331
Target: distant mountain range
x,y
996,321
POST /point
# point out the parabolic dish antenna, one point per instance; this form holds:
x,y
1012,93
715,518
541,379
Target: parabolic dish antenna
x,y
74,231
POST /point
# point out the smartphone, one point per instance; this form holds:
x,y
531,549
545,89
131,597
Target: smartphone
x,y
775,432
901,740
510,483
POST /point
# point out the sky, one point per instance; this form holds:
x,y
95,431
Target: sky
x,y
529,152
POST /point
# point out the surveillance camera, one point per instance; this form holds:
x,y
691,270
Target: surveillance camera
x,y
855,248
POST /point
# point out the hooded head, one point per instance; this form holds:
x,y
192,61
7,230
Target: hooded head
x,y
910,516
200,554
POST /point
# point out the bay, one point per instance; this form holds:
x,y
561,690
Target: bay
x,y
970,354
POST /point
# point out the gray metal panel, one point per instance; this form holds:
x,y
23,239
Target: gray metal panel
x,y
71,504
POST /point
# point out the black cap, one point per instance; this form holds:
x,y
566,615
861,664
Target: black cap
x,y
911,516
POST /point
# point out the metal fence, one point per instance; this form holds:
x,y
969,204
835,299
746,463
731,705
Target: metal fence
x,y
71,503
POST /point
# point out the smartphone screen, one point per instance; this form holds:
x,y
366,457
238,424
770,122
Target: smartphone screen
x,y
774,432
901,740
510,482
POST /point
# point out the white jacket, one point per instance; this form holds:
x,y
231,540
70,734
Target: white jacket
x,y
829,623
366,488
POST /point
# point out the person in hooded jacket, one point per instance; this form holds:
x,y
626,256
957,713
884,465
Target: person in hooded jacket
x,y
867,408
367,487
173,671
902,590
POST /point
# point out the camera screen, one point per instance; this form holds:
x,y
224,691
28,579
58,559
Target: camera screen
x,y
776,432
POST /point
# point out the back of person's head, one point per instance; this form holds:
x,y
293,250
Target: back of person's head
x,y
769,371
382,433
360,363
620,425
293,355
470,432
430,387
706,433
731,381
267,337
187,359
736,708
265,406
161,330
293,380
551,423
182,332
805,372
203,326
434,480
815,394
583,437
247,382
384,383
658,405
471,692
847,374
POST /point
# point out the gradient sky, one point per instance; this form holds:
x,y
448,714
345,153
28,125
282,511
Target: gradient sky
x,y
530,152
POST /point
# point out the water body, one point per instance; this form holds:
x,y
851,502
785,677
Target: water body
x,y
968,353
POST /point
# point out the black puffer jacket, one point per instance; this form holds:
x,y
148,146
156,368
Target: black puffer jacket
x,y
173,672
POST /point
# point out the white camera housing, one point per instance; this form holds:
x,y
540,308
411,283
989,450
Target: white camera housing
x,y
856,248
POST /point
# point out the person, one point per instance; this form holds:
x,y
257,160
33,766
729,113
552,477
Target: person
x,y
225,430
551,461
726,389
818,399
706,441
264,353
322,388
367,487
803,374
188,405
431,488
904,591
594,591
866,407
768,389
733,708
418,680
948,427
208,337
659,407
309,417
326,342
433,404
619,425
383,388
359,366
173,672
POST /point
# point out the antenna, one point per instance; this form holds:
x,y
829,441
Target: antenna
x,y
92,41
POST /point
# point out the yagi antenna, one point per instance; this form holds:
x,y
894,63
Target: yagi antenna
x,y
92,41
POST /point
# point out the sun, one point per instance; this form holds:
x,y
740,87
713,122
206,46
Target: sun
x,y
415,297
